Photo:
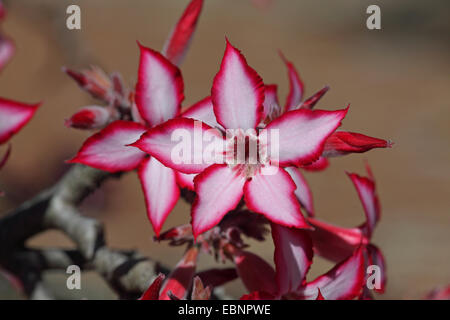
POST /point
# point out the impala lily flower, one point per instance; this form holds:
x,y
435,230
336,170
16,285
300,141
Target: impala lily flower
x,y
238,96
159,93
293,258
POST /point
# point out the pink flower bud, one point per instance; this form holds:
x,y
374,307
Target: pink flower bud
x,y
91,117
95,81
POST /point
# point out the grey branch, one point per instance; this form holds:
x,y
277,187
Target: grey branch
x,y
128,273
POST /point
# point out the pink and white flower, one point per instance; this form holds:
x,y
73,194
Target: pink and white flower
x,y
238,98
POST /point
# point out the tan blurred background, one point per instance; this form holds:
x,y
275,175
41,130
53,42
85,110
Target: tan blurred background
x,y
396,79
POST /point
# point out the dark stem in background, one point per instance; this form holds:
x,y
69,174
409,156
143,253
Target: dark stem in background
x,y
128,273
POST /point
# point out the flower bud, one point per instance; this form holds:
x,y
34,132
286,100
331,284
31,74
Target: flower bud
x,y
91,117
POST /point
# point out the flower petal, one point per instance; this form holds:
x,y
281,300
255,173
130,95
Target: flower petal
x,y
296,86
319,295
219,190
152,293
13,116
183,144
342,143
376,258
273,195
255,272
237,93
303,192
107,150
271,105
302,134
180,279
293,257
320,164
217,277
7,49
160,190
180,38
365,188
185,180
312,101
159,90
199,292
335,243
343,282
203,111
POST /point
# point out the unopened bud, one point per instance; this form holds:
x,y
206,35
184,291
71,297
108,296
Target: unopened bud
x,y
90,117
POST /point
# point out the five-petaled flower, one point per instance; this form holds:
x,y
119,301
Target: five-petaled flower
x,y
238,103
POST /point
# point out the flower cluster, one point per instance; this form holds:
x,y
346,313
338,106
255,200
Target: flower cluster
x,y
232,199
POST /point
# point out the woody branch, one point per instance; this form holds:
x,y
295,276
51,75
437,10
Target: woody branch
x,y
128,273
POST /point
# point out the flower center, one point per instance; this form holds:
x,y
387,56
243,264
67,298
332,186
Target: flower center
x,y
245,152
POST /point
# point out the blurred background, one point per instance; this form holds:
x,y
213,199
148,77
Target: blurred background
x,y
396,79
